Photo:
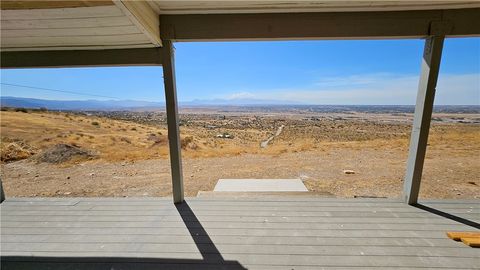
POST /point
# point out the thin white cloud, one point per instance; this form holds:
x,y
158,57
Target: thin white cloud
x,y
353,80
371,89
240,95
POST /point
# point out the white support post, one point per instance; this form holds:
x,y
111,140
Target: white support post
x,y
423,113
172,120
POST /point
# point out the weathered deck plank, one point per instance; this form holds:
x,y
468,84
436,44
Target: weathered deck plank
x,y
206,233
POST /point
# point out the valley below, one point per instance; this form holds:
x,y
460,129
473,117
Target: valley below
x,y
125,153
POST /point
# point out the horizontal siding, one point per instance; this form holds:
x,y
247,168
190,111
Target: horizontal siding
x,y
100,26
65,23
61,32
74,41
85,47
61,13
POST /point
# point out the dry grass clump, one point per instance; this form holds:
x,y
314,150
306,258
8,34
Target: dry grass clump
x,y
158,140
12,150
125,139
43,130
189,143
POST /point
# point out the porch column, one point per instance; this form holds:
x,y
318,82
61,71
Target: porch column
x,y
2,194
172,120
423,113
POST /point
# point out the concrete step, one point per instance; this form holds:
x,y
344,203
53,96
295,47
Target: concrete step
x,y
226,194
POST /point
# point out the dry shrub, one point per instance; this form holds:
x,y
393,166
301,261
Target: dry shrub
x,y
64,152
192,146
125,139
185,141
157,140
188,143
15,150
21,110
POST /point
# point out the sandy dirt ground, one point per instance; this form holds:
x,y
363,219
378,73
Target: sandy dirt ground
x,y
377,157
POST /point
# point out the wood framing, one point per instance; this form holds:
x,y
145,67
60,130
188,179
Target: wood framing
x,y
82,58
144,17
172,120
327,25
269,6
423,113
47,4
79,28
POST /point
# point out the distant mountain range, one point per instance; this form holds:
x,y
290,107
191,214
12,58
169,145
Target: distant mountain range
x,y
269,105
77,104
33,103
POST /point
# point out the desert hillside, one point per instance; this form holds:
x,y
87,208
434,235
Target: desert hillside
x,y
126,153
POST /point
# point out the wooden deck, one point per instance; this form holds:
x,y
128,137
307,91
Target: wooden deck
x,y
235,233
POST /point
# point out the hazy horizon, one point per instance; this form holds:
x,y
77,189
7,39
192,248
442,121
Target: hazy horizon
x,y
204,103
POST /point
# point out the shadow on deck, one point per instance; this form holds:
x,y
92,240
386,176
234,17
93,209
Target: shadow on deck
x,y
212,258
448,215
235,233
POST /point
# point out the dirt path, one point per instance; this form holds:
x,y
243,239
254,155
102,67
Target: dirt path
x,y
264,144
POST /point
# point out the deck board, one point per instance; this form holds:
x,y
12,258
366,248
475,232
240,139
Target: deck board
x,y
241,233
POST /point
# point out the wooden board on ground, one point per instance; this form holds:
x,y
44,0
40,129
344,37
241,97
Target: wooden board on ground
x,y
471,241
457,236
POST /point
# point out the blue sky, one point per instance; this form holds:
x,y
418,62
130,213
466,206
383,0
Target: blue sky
x,y
309,72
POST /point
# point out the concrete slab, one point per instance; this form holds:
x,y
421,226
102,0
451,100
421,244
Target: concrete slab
x,y
271,194
259,185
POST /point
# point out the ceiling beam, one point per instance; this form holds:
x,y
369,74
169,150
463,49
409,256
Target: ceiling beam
x,y
328,25
144,17
82,58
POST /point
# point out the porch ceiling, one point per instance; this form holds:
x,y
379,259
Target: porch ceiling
x,y
242,6
69,25
114,24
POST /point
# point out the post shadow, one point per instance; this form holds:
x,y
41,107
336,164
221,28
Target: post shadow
x,y
202,240
447,215
212,259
